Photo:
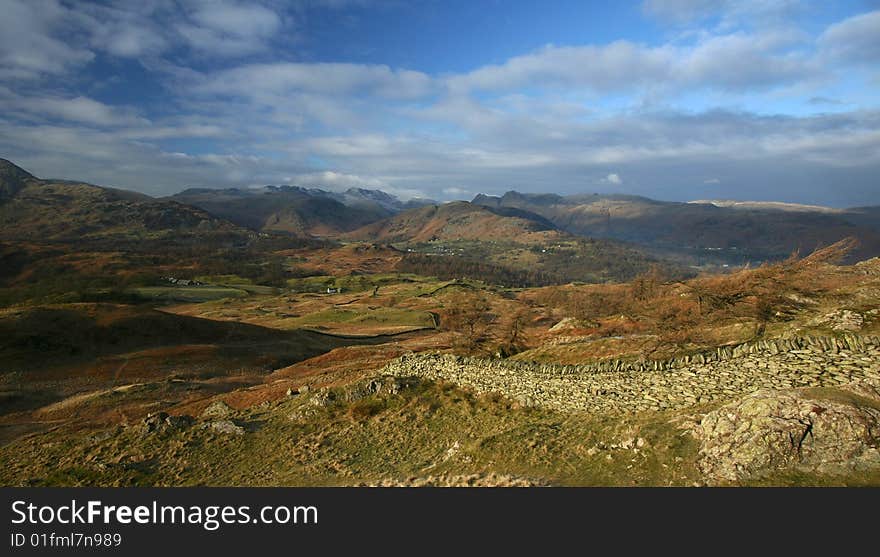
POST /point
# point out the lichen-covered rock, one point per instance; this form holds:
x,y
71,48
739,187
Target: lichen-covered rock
x,y
161,421
841,320
446,480
565,324
825,431
224,426
217,409
383,385
324,397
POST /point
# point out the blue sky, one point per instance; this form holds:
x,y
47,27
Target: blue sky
x,y
673,99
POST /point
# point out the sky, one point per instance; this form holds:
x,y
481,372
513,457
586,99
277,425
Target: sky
x,y
671,99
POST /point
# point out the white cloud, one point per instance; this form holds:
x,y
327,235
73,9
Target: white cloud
x,y
133,42
48,37
335,181
457,192
77,109
228,28
552,119
856,39
241,19
730,62
31,42
763,157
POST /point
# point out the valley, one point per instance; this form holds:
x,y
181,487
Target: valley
x,y
295,336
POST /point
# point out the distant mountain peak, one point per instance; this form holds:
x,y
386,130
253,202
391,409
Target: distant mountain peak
x,y
373,194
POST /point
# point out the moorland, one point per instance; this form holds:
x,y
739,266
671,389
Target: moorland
x,y
296,336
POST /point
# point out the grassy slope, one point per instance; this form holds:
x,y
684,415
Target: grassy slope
x,y
428,430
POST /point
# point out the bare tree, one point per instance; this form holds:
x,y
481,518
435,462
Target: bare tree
x,y
467,313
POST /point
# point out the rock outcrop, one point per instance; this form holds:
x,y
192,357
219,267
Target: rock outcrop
x,y
818,430
446,480
217,409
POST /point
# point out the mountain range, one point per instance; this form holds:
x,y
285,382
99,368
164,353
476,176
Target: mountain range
x,y
297,210
700,232
734,232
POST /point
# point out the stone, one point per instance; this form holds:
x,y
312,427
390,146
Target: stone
x,y
161,421
217,409
224,426
840,320
618,386
770,431
324,397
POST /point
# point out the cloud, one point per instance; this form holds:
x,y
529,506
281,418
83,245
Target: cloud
x,y
129,41
456,192
48,38
77,109
233,112
30,44
335,181
853,40
819,100
730,62
762,157
712,181
240,19
228,28
338,181
613,179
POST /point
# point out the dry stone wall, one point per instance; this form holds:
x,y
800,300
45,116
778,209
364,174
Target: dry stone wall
x,y
632,386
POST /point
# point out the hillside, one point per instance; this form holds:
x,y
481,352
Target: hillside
x,y
765,377
722,232
12,180
55,210
458,220
504,245
54,352
295,210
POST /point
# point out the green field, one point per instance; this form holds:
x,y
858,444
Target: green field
x,y
352,283
188,293
381,316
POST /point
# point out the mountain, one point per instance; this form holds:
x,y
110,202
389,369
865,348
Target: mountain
x,y
735,232
868,217
354,197
458,220
503,245
12,180
58,210
295,210
282,209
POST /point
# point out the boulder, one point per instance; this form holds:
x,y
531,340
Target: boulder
x,y
161,421
217,409
826,431
224,426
